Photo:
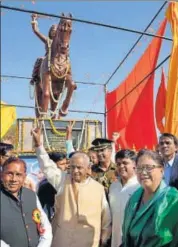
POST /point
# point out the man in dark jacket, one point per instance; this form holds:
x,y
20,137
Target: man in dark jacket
x,y
24,222
168,146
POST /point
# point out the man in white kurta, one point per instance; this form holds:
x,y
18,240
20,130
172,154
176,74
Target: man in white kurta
x,y
120,192
82,215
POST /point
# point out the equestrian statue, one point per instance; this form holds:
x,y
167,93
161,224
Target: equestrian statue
x,y
52,73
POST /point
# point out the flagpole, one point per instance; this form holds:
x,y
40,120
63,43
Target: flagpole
x,y
105,123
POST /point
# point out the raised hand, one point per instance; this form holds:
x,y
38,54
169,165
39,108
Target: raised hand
x,y
36,133
34,17
69,127
115,136
69,130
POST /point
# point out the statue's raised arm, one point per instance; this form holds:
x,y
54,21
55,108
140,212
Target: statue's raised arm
x,y
35,28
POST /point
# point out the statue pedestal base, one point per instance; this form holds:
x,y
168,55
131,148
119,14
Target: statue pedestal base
x,y
54,134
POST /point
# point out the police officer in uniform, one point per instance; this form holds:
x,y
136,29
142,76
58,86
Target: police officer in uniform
x,y
105,171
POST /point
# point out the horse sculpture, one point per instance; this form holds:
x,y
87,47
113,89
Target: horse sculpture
x,y
55,70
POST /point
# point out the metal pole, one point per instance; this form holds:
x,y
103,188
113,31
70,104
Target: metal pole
x,y
105,122
131,49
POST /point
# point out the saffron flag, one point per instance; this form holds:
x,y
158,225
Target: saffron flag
x,y
141,129
160,104
8,116
171,115
118,115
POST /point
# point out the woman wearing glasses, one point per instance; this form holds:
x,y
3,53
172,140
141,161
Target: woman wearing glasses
x,y
151,213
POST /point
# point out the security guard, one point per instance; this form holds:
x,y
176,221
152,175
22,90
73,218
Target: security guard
x,y
105,171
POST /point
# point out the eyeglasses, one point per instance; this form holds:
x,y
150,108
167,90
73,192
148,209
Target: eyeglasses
x,y
147,168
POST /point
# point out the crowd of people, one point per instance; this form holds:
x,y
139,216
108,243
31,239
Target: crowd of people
x,y
98,198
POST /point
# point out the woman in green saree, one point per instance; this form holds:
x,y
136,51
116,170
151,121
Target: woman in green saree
x,y
151,215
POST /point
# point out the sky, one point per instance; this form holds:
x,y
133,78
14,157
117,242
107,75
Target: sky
x,y
95,51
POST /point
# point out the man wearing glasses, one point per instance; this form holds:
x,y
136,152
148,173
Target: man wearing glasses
x,y
168,146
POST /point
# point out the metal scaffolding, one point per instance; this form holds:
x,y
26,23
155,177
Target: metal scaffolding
x,y
144,33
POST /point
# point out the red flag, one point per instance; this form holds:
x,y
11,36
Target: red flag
x,y
160,104
144,66
141,130
122,116
112,127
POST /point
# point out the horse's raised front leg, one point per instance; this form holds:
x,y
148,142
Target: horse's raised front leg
x,y
71,86
46,93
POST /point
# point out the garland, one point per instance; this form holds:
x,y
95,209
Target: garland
x,y
45,135
85,144
34,126
97,129
55,130
17,136
81,136
49,41
22,134
65,74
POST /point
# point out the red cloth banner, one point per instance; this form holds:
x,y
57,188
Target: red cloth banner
x,y
140,129
118,117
